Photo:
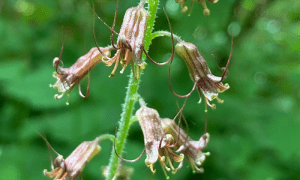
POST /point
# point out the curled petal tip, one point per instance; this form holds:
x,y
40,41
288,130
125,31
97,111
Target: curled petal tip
x,y
206,12
57,96
55,60
227,85
207,154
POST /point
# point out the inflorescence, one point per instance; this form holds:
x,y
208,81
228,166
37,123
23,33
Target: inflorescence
x,y
165,141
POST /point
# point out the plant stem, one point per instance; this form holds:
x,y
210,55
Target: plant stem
x,y
130,99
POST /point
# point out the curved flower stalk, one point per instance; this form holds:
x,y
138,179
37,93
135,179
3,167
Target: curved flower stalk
x,y
71,167
158,146
191,149
206,11
67,78
200,73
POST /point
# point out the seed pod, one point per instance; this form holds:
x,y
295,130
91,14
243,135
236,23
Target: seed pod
x,y
199,71
67,78
156,144
71,168
191,149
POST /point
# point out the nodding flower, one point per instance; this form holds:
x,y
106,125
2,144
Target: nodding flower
x,y
206,11
191,149
71,167
130,43
200,73
157,146
67,78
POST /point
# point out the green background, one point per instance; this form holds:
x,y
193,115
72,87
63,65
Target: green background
x,y
254,134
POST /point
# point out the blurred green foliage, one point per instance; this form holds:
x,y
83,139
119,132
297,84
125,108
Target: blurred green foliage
x,y
254,134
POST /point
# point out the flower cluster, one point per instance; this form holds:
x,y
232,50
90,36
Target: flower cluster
x,y
164,139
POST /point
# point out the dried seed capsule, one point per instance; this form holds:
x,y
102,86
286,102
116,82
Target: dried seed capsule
x,y
156,144
192,150
207,83
71,168
67,78
131,38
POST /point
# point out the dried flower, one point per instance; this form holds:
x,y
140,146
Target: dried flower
x,y
123,172
200,73
71,168
67,78
130,44
206,11
192,150
156,144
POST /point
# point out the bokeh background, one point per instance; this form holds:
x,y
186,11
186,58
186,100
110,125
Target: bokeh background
x,y
255,133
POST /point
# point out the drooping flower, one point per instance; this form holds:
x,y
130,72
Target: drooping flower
x,y
67,78
191,149
71,167
157,146
200,73
130,43
206,11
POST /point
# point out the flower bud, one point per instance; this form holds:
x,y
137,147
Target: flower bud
x,y
73,165
199,71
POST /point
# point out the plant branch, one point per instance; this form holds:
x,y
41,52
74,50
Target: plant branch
x,y
130,98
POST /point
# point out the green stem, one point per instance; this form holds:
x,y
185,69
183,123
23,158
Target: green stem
x,y
164,33
130,98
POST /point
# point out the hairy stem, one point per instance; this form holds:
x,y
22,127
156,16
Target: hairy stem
x,y
130,98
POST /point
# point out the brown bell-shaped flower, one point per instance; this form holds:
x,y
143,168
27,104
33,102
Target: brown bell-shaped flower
x,y
67,78
200,73
130,44
71,167
191,149
157,145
